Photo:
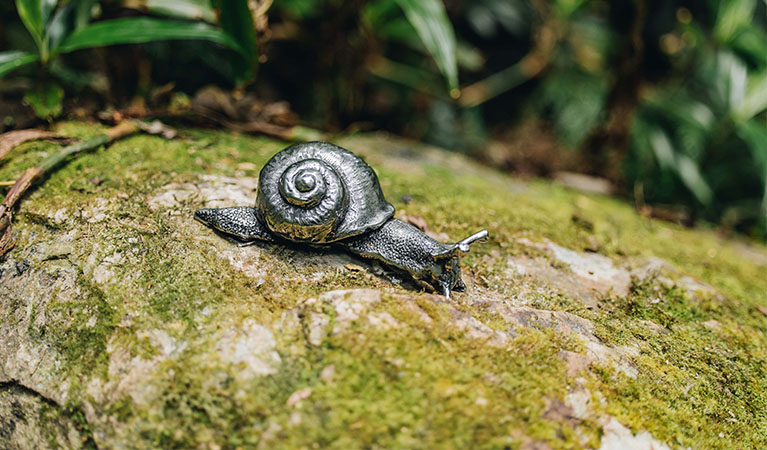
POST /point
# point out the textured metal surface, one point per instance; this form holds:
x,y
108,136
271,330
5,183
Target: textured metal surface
x,y
318,192
405,247
239,221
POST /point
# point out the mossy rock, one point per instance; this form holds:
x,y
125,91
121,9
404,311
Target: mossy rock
x,y
126,324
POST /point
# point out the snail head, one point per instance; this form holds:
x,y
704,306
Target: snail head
x,y
239,222
447,265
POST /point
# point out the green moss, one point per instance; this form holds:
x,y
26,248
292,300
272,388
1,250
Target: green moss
x,y
699,385
419,385
400,389
80,329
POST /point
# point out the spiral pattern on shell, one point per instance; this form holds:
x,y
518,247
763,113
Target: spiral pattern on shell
x,y
317,192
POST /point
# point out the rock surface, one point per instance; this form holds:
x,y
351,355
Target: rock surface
x,y
125,324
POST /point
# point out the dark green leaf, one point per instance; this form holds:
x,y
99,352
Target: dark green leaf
x,y
300,9
430,21
576,101
141,30
46,100
749,45
687,169
46,8
754,134
12,60
83,12
71,16
236,19
31,14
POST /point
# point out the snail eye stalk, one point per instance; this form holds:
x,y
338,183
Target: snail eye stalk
x,y
466,243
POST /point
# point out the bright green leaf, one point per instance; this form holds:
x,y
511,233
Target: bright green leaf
x,y
755,99
141,30
46,100
14,59
430,21
732,16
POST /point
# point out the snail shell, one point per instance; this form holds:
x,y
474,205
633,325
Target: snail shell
x,y
317,192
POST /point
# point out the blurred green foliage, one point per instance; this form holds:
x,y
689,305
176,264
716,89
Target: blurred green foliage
x,y
63,27
667,99
700,135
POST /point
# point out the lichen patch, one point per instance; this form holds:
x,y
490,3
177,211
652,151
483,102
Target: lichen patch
x,y
594,270
618,437
209,191
116,303
249,347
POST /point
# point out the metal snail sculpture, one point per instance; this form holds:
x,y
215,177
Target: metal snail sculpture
x,y
320,194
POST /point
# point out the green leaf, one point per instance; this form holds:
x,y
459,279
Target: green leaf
x,y
83,12
732,16
689,172
755,99
299,10
140,30
46,100
31,14
687,169
14,59
566,8
71,16
430,21
576,101
749,45
236,19
46,8
754,134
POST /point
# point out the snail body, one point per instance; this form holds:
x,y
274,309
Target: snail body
x,y
319,194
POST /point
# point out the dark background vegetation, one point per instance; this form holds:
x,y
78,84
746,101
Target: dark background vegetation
x,y
666,100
